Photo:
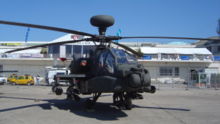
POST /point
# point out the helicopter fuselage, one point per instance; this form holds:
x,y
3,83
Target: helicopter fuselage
x,y
110,70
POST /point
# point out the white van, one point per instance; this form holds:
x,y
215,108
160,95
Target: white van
x,y
51,72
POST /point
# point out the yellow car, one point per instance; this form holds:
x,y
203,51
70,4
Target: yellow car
x,y
12,78
24,79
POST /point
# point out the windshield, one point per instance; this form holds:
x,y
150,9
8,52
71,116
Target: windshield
x,y
124,57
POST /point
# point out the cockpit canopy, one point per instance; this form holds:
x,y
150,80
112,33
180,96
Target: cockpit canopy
x,y
109,58
123,57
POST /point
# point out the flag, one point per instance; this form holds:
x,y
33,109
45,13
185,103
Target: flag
x,y
27,33
118,34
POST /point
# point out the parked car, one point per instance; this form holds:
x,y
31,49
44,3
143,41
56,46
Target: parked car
x,y
3,80
12,78
23,79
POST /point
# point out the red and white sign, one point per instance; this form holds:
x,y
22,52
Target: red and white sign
x,y
75,37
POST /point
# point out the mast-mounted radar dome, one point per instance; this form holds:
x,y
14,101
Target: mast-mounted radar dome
x,y
102,22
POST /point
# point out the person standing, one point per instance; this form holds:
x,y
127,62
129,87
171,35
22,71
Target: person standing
x,y
37,80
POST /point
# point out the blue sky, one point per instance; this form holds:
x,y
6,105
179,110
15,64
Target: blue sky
x,y
185,18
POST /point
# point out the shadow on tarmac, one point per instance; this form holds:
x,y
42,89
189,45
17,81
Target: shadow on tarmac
x,y
101,111
162,108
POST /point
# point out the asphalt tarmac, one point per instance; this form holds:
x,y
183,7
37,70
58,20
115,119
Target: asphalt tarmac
x,y
38,105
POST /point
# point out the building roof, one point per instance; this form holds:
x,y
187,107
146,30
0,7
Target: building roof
x,y
154,50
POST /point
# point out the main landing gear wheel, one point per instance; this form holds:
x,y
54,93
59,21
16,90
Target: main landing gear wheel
x,y
122,100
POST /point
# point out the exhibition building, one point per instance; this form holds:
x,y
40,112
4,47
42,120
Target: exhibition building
x,y
167,63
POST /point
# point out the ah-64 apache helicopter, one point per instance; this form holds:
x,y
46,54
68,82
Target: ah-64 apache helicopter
x,y
105,69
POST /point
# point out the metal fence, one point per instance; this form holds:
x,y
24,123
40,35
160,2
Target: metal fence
x,y
200,81
213,80
205,80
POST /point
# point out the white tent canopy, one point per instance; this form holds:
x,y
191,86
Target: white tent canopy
x,y
31,51
152,50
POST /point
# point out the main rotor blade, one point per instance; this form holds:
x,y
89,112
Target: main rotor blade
x,y
48,44
45,27
129,49
165,37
